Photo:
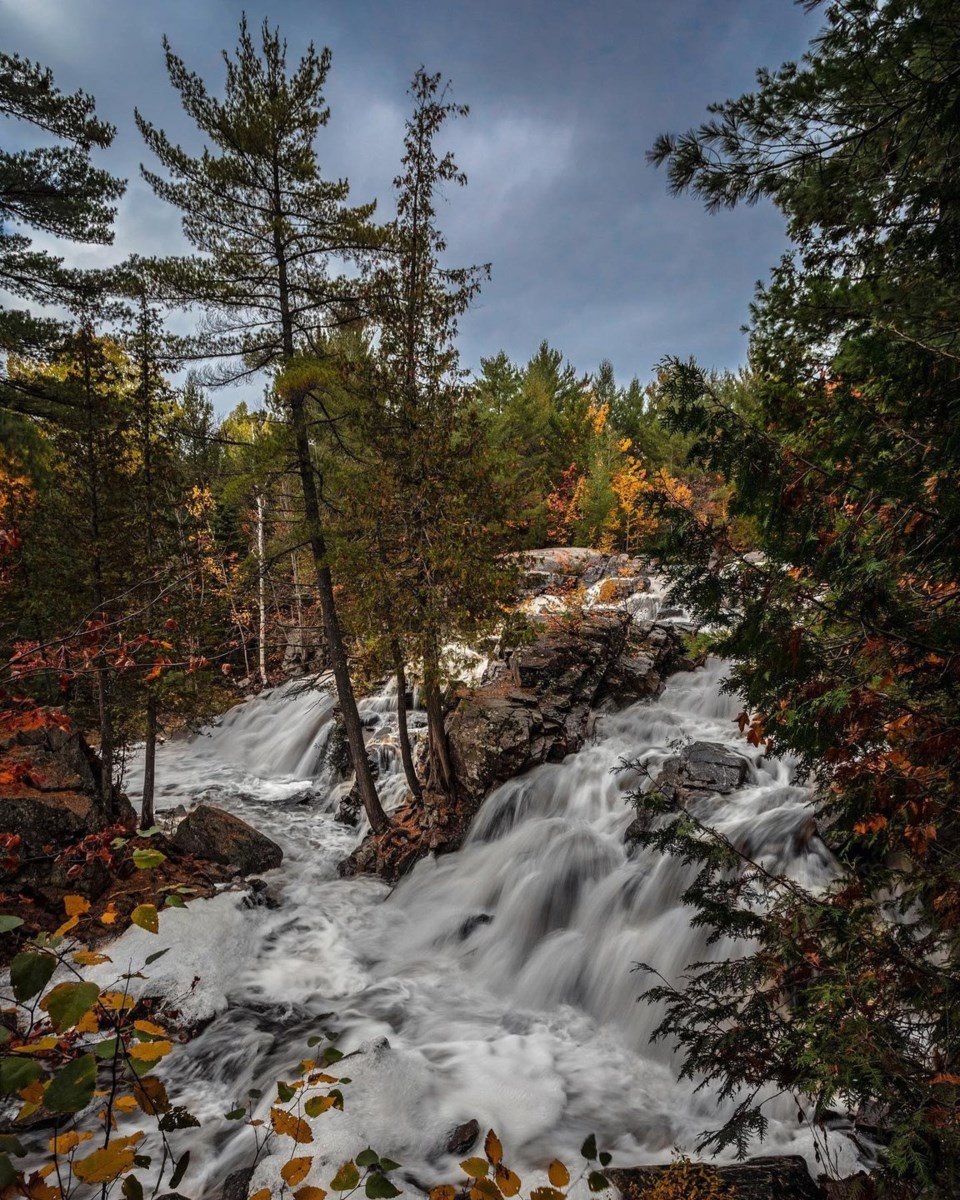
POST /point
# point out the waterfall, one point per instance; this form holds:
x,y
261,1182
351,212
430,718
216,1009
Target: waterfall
x,y
495,983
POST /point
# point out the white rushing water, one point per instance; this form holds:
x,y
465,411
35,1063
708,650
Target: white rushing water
x,y
494,983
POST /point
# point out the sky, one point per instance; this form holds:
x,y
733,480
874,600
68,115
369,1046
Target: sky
x,y
587,247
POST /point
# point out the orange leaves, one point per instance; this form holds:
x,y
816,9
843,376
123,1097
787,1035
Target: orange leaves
x,y
288,1125
296,1170
872,824
108,1163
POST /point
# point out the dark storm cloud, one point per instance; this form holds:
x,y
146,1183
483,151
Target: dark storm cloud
x,y
587,248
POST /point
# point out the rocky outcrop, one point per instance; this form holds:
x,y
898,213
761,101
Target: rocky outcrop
x,y
556,567
535,708
50,801
217,836
700,770
783,1177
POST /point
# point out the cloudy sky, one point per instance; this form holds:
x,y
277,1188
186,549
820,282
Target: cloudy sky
x,y
588,249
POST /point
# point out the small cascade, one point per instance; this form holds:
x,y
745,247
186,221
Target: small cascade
x,y
495,983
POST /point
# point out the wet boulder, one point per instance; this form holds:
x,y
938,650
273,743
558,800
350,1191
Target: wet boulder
x,y
220,837
701,770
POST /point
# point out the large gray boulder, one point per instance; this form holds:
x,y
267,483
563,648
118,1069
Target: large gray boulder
x,y
220,837
699,771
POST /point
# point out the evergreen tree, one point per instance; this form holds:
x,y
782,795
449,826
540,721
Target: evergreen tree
x,y
437,532
50,189
254,204
846,635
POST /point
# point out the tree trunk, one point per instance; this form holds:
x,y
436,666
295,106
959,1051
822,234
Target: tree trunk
x,y
441,773
149,764
106,736
261,591
406,755
379,822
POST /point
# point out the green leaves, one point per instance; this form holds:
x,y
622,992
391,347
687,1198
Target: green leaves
x,y
379,1187
71,1090
30,973
346,1178
145,915
17,1073
146,859
9,922
68,1002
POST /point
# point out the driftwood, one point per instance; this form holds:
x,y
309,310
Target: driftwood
x,y
783,1177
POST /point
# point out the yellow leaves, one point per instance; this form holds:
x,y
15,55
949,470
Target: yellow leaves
x,y
262,1194
476,1168
63,1143
65,928
89,1022
126,1104
116,1001
493,1148
296,1170
109,915
40,1046
288,1125
149,1027
150,1051
444,1192
558,1174
75,906
90,958
597,417
108,1163
309,1193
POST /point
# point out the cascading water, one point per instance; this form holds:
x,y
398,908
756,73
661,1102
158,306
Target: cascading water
x,y
494,983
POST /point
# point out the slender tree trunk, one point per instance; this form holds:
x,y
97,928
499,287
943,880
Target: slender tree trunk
x,y
406,754
106,735
441,772
262,591
150,747
149,764
379,822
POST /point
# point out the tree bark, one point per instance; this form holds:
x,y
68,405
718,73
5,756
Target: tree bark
x,y
441,772
379,822
406,755
149,764
261,592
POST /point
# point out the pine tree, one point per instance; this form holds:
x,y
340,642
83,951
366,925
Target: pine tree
x,y
437,537
254,204
50,189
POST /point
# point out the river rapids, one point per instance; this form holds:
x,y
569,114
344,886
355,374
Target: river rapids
x,y
494,984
